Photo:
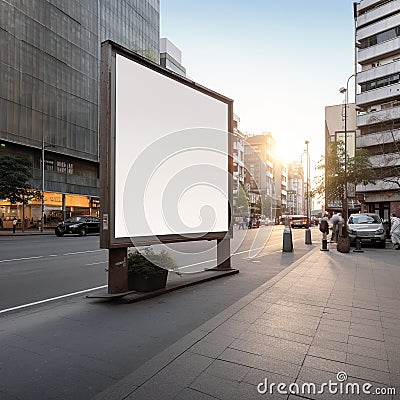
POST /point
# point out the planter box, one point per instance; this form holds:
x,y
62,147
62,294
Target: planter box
x,y
141,283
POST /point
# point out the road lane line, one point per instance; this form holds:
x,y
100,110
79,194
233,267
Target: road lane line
x,y
82,252
101,262
52,299
51,255
21,259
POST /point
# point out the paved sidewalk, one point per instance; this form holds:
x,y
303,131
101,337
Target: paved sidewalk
x,y
326,313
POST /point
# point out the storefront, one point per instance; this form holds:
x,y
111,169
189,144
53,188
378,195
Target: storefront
x,y
57,207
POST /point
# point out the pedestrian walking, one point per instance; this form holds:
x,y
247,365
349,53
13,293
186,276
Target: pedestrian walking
x,y
240,222
395,231
14,224
336,221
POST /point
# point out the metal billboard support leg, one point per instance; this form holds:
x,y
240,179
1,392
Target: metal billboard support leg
x,y
223,254
117,270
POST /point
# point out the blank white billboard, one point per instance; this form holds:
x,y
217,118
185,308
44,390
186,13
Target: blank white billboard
x,y
171,156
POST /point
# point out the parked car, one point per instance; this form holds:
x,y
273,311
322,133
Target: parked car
x,y
368,228
80,225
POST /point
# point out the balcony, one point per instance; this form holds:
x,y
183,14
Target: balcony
x,y
376,52
378,95
374,139
378,72
365,4
379,186
375,13
377,27
376,117
385,160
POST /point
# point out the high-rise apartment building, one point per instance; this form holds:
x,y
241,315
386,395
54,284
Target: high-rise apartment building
x,y
378,78
49,89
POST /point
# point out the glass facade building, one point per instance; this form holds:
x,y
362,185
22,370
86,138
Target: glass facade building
x,y
49,87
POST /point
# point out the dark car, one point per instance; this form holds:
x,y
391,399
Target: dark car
x,y
80,225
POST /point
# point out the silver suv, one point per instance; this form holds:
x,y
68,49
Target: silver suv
x,y
368,228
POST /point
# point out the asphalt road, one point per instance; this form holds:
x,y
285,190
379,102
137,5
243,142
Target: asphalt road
x,y
36,268
73,348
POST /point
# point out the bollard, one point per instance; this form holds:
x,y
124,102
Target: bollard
x,y
287,240
358,248
324,243
308,236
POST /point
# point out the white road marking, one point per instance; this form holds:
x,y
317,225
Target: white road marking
x,y
52,299
100,262
51,255
104,286
82,252
21,259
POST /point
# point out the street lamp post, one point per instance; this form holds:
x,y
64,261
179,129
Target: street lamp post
x,y
346,100
308,231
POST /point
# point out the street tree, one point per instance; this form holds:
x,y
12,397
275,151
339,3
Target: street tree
x,y
243,199
15,175
332,182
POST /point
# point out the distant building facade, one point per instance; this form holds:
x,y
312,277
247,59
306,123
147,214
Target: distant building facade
x,y
295,189
259,177
378,79
238,159
171,57
49,90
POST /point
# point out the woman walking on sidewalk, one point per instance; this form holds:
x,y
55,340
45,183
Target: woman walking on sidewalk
x,y
395,231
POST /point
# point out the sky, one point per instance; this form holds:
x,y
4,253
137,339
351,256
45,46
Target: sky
x,y
281,62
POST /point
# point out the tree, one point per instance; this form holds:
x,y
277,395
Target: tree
x,y
243,199
14,181
332,183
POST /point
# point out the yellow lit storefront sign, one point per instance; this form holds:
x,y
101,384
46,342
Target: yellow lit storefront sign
x,y
55,200
73,200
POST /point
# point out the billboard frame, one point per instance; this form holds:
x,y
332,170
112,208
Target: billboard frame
x,y
107,122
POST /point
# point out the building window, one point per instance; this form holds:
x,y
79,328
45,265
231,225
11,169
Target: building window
x,y
49,165
381,82
380,37
62,167
70,169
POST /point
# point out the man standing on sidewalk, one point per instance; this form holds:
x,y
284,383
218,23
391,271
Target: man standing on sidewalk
x,y
14,224
395,231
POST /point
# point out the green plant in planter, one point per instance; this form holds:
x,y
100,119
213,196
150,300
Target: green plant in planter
x,y
148,271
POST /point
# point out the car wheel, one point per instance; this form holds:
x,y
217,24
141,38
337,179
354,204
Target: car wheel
x,y
59,232
82,232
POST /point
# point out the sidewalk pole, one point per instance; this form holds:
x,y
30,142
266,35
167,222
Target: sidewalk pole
x,y
287,240
308,236
324,242
358,248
